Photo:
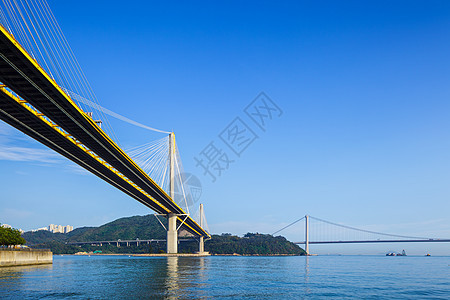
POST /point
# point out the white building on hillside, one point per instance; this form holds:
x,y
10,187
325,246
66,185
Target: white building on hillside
x,y
59,228
9,226
42,228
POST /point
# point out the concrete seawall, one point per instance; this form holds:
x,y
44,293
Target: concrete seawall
x,y
25,257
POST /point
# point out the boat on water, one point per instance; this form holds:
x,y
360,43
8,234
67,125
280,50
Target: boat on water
x,y
396,254
428,254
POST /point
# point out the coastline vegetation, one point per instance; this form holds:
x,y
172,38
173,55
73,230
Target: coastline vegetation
x,y
10,237
148,227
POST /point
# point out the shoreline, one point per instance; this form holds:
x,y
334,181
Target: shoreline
x,y
27,257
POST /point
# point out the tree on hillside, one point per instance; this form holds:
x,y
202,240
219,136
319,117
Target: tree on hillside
x,y
10,237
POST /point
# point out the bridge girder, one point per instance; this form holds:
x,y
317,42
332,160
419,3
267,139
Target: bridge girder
x,y
22,74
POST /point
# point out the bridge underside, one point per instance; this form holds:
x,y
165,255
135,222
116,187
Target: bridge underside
x,y
19,117
21,73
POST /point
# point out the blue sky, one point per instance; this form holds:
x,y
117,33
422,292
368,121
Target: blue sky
x,y
363,138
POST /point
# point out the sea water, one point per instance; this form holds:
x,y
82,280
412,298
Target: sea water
x,y
230,277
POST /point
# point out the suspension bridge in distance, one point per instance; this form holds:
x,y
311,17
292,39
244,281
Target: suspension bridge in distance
x,y
32,101
326,232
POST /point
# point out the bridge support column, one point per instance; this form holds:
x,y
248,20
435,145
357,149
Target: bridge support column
x,y
172,234
201,242
201,245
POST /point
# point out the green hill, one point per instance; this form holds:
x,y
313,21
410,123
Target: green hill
x,y
252,244
148,227
141,227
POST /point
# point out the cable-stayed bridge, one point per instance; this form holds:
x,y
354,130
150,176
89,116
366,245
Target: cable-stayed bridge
x,y
44,94
319,231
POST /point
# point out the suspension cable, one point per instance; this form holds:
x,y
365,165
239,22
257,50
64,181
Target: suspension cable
x,y
288,225
368,231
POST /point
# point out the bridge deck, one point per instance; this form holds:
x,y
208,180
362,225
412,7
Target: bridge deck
x,y
25,77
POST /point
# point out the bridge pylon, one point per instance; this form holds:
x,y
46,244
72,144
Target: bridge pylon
x,y
307,234
172,232
201,242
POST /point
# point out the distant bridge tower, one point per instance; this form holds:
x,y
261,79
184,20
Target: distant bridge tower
x,y
307,234
201,244
172,233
